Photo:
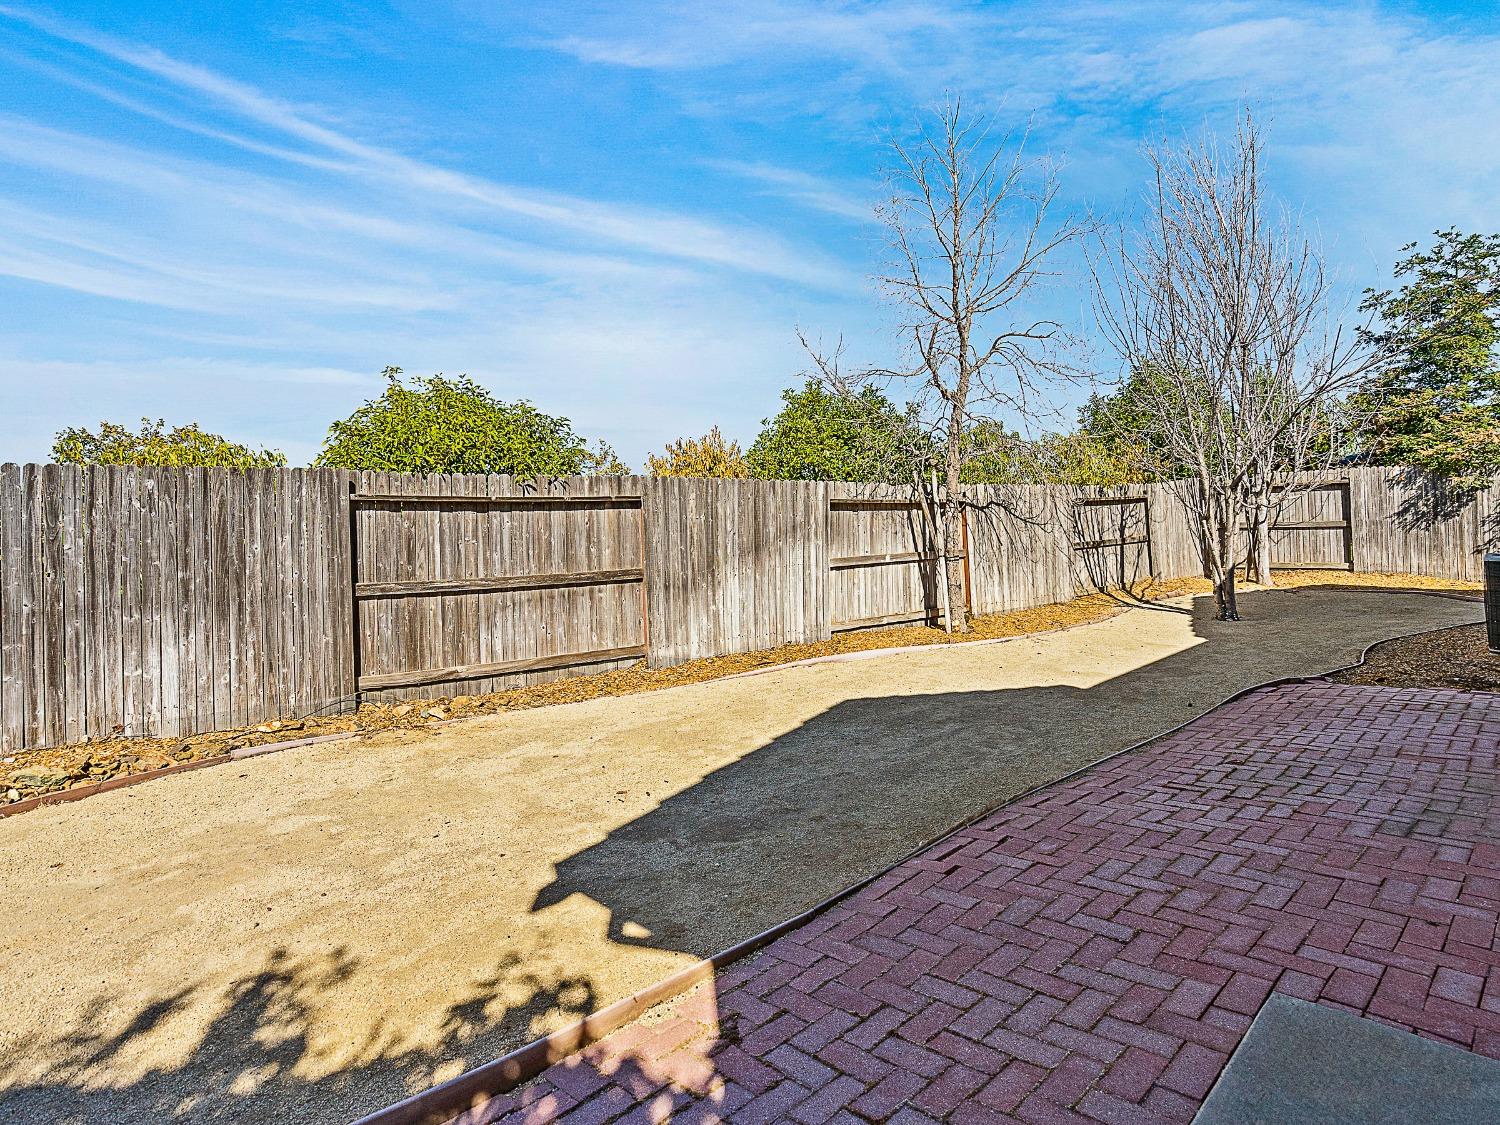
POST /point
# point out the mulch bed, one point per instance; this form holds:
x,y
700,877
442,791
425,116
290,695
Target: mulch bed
x,y
1456,659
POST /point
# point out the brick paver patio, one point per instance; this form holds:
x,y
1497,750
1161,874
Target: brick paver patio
x,y
1094,952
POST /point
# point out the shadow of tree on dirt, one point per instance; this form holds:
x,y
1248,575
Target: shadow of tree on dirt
x,y
853,789
840,797
911,761
255,1060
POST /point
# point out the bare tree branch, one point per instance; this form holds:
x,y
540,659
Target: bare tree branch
x,y
1219,310
970,234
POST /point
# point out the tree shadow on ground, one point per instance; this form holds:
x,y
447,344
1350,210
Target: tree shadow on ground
x,y
798,811
850,791
842,796
255,1060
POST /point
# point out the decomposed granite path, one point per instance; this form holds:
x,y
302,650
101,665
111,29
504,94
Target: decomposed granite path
x,y
314,934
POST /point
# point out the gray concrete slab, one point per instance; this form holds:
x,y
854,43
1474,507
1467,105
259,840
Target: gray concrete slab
x,y
1306,1064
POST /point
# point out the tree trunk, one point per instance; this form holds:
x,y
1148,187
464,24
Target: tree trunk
x,y
1217,520
1258,564
1258,554
953,563
1227,542
1229,599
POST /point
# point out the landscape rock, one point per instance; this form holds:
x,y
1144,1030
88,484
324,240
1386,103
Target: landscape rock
x,y
38,777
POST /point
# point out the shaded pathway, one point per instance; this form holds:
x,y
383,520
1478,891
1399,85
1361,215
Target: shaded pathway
x,y
316,934
1094,952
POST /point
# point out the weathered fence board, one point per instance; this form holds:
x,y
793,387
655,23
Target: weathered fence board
x,y
1018,547
1312,528
472,583
161,601
1406,522
733,566
1111,541
882,558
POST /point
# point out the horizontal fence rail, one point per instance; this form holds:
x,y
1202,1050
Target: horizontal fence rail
x,y
448,591
142,601
509,582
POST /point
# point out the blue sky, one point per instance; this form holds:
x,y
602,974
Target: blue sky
x,y
238,214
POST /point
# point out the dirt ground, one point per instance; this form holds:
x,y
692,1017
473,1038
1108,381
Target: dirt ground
x,y
1456,659
310,935
31,773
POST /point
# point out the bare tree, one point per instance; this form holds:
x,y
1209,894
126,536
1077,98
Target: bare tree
x,y
967,224
1219,311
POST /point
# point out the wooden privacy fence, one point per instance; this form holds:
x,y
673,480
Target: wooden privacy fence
x,y
882,560
1112,540
1312,529
173,601
474,586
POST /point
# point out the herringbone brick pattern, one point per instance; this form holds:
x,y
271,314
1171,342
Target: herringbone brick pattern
x,y
1094,952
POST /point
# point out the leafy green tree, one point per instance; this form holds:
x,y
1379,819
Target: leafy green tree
x,y
603,461
1435,403
440,425
188,446
823,435
712,455
1123,428
995,455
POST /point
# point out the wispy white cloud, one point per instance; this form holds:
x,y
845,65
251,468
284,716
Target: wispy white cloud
x,y
640,228
326,257
230,230
95,258
803,188
1368,93
274,218
692,36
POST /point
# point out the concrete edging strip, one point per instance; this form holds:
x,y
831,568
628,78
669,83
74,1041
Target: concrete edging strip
x,y
446,1102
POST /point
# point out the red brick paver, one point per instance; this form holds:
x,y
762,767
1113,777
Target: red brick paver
x,y
1094,952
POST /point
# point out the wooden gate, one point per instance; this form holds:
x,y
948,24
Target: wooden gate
x,y
883,562
1112,542
1312,531
474,593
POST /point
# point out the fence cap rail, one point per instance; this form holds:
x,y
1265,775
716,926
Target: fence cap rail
x,y
870,502
497,583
